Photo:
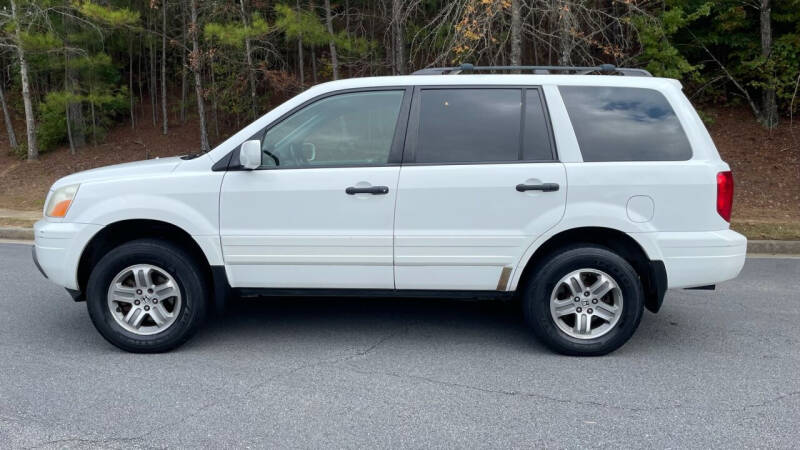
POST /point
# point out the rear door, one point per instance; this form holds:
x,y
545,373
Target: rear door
x,y
480,181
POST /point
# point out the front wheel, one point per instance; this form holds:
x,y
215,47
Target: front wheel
x,y
146,296
584,300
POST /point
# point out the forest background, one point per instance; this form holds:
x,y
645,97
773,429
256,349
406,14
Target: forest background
x,y
90,83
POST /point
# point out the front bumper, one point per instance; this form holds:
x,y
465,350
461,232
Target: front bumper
x,y
58,248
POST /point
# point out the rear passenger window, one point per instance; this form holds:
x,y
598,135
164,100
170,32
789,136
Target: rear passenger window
x,y
625,124
536,144
469,125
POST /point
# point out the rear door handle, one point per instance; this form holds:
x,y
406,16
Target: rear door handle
x,y
544,187
374,190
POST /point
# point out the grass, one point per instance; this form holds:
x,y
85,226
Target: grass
x,y
758,229
9,222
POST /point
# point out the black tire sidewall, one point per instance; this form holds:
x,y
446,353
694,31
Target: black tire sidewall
x,y
536,301
172,259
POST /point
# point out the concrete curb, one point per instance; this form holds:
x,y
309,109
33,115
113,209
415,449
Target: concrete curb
x,y
753,247
774,247
16,233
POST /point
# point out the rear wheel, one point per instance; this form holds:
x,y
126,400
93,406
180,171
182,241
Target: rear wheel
x,y
584,300
146,296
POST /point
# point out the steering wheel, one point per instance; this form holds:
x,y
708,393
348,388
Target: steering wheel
x,y
271,155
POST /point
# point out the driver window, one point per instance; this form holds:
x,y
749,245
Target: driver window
x,y
342,130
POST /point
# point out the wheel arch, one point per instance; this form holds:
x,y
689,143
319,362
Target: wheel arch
x,y
117,233
651,272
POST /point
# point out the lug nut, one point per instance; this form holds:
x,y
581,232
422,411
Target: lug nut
x,y
147,308
579,309
589,310
577,299
155,300
586,294
138,292
149,291
594,301
136,302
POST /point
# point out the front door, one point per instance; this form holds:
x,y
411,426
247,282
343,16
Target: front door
x,y
319,212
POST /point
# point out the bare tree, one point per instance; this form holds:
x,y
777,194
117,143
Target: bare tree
x,y
516,33
183,63
399,41
300,50
30,119
164,67
329,24
12,137
769,105
195,59
251,75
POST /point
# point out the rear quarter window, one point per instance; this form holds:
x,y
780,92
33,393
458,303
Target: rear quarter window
x,y
625,124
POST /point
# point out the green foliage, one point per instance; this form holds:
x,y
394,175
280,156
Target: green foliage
x,y
52,130
659,55
40,42
103,14
233,34
295,24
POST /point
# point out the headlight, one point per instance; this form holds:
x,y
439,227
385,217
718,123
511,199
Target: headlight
x,y
60,201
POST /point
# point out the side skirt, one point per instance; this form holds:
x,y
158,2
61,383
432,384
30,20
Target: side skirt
x,y
365,293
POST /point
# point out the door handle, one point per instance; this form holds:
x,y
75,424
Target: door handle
x,y
544,187
374,190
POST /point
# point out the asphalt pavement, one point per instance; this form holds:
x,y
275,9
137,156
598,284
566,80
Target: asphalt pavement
x,y
712,369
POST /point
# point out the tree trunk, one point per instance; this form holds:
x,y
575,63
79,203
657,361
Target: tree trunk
x,y
196,62
30,119
12,137
214,101
183,64
251,75
399,38
130,81
165,127
153,84
516,33
564,34
300,50
329,24
94,122
67,91
769,105
314,64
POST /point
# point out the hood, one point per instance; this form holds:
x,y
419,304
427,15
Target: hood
x,y
118,171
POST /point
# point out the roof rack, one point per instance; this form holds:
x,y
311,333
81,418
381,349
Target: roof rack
x,y
545,70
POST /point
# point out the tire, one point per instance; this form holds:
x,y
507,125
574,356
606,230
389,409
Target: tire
x,y
548,296
172,273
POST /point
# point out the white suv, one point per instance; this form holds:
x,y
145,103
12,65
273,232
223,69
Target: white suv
x,y
586,196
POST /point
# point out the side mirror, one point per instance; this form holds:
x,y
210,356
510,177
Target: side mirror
x,y
250,155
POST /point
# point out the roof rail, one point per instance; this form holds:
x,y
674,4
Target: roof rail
x,y
551,70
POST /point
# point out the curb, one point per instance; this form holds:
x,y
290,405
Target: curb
x,y
774,247
16,233
753,246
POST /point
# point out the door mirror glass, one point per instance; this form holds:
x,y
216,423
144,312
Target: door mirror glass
x,y
250,155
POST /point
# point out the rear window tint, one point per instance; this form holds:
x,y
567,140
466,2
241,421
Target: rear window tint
x,y
625,124
536,139
469,125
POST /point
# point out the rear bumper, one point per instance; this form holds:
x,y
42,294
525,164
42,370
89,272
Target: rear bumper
x,y
58,248
696,258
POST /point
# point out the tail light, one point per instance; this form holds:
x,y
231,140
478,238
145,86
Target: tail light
x,y
725,194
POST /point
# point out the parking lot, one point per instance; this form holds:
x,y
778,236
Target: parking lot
x,y
717,368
